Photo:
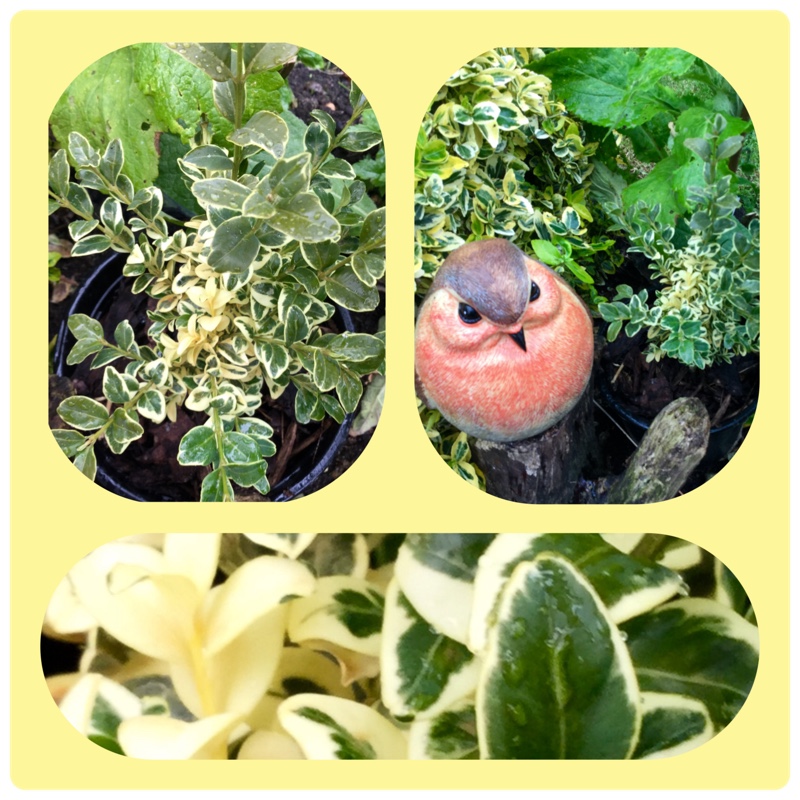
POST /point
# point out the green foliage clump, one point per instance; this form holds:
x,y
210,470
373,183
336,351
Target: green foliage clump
x,y
498,156
241,291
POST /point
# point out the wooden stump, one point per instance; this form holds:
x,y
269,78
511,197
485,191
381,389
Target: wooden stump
x,y
673,446
544,468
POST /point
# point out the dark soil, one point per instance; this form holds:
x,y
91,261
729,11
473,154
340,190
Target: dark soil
x,y
326,90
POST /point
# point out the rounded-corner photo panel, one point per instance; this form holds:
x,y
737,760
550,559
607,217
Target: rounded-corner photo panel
x,y
216,254
418,646
587,273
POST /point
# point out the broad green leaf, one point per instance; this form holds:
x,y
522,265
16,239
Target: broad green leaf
x,y
275,357
436,573
264,130
452,734
260,57
671,724
58,173
373,231
84,327
339,729
304,219
86,462
198,446
90,244
326,371
82,349
119,387
123,335
345,288
296,327
699,648
220,192
80,228
290,176
320,255
343,610
557,680
369,267
351,347
152,405
423,671
234,246
69,441
209,156
253,474
105,102
259,431
317,141
238,448
358,138
122,431
627,586
216,487
547,252
83,413
348,390
337,168
213,58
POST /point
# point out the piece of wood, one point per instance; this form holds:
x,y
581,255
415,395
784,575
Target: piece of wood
x,y
544,468
673,446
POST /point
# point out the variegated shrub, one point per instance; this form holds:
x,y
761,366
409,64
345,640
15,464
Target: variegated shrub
x,y
241,292
425,646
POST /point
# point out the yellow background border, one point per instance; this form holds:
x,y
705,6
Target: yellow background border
x,y
399,59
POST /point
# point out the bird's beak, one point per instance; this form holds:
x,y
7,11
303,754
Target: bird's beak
x,y
519,338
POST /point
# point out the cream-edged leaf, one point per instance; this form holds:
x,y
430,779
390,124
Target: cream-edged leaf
x,y
557,680
696,647
435,572
96,705
422,670
343,610
451,734
330,728
672,724
164,738
194,555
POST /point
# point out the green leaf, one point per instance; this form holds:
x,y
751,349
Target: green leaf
x,y
275,357
699,648
82,349
90,245
345,288
436,573
320,255
234,246
326,371
348,390
261,57
264,130
238,448
356,347
337,168
220,192
449,735
105,103
290,176
359,138
86,462
112,161
671,725
152,405
83,413
547,252
84,327
261,432
209,156
123,335
58,173
68,440
557,681
122,431
119,387
304,219
198,446
246,475
369,267
213,58
423,671
216,487
296,328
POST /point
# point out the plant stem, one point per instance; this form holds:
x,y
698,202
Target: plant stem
x,y
238,107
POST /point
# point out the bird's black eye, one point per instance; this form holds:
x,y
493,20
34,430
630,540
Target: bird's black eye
x,y
468,314
535,291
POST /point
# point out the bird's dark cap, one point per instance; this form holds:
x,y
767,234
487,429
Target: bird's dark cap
x,y
491,276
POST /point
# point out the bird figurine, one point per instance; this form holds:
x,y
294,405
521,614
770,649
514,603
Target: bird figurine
x,y
503,346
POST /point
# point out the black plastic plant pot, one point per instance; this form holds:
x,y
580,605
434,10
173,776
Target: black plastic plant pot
x,y
721,439
103,289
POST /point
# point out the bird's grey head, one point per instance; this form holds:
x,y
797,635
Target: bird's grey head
x,y
491,276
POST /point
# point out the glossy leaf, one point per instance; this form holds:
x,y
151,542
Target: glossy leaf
x,y
83,413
